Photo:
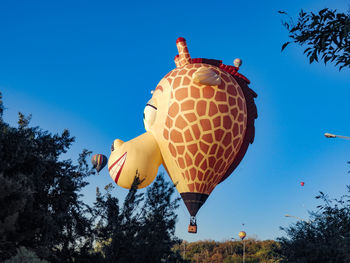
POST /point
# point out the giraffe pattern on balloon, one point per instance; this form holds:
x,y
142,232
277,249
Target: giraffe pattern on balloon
x,y
205,126
199,124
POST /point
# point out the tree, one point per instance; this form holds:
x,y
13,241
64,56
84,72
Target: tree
x,y
42,216
143,229
157,234
41,209
325,238
266,251
116,228
25,256
326,34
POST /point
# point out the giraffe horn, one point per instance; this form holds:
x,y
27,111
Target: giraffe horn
x,y
184,57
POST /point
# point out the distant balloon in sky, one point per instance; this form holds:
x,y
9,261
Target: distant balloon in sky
x,y
302,183
242,235
237,62
199,123
99,161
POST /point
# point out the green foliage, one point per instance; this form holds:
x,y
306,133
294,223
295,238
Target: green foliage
x,y
158,222
25,256
325,238
326,35
138,235
231,251
118,226
39,191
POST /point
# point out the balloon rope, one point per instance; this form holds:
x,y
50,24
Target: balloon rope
x,y
183,210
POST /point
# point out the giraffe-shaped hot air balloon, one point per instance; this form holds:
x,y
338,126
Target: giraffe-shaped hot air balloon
x,y
199,123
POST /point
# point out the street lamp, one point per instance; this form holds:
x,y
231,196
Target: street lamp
x,y
330,135
242,235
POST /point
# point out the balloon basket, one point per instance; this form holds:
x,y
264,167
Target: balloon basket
x,y
192,227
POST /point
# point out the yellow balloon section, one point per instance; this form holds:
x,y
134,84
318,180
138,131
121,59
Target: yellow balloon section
x,y
242,235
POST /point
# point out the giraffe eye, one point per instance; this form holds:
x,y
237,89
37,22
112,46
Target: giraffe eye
x,y
149,115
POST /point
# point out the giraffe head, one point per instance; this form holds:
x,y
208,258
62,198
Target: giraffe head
x,y
196,123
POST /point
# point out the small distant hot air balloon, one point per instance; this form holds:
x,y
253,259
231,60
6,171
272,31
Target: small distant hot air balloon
x,y
237,62
99,161
242,235
302,183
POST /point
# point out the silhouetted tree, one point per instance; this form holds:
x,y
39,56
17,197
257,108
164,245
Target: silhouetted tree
x,y
42,216
157,235
117,228
25,256
325,34
325,238
143,229
39,194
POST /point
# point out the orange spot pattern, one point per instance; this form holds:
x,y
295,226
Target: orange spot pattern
x,y
205,126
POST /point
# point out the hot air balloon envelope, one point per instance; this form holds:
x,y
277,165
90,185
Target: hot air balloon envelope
x,y
242,235
99,161
199,124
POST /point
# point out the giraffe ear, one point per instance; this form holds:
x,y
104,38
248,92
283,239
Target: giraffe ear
x,y
206,76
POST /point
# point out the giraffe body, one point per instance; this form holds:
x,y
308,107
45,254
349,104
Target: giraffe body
x,y
204,128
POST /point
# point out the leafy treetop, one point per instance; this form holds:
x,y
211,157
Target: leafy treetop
x,y
326,35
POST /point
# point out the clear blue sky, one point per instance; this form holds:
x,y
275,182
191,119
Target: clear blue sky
x,y
89,66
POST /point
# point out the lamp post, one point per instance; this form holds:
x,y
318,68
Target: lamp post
x,y
184,256
330,135
242,235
